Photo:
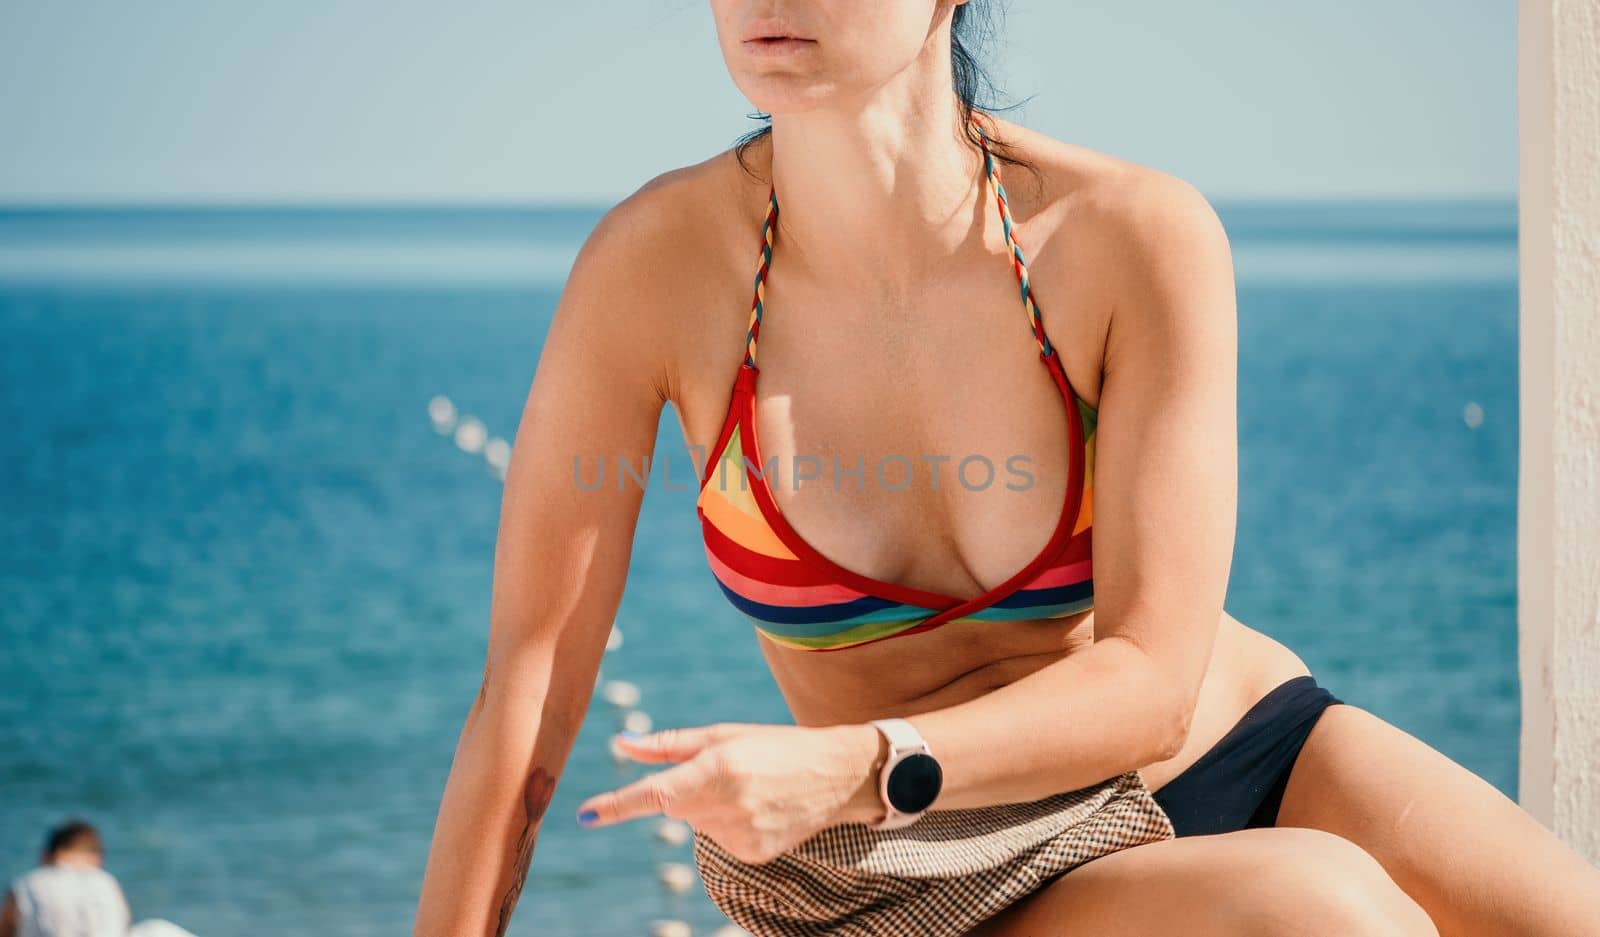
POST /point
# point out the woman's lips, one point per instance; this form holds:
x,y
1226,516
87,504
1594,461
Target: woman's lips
x,y
778,47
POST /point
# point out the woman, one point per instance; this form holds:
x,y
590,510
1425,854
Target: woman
x,y
1188,773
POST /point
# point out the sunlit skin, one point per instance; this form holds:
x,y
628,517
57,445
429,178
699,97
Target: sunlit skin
x,y
893,325
535,801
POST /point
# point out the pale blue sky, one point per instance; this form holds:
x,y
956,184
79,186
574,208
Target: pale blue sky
x,y
493,100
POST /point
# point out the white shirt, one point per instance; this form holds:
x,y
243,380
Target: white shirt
x,y
70,901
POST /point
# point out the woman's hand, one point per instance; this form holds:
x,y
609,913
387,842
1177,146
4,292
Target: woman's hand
x,y
757,790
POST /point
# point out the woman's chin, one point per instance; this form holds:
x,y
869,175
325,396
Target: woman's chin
x,y
787,94
778,89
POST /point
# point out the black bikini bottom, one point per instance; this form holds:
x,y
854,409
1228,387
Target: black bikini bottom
x,y
1239,782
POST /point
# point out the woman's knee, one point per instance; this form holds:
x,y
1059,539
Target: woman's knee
x,y
1314,883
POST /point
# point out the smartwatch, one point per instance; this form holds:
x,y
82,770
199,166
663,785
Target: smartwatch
x,y
910,778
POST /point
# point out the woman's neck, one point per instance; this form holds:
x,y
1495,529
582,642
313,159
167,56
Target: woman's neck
x,y
855,188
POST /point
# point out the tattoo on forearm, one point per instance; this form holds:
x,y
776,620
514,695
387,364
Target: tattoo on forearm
x,y
535,800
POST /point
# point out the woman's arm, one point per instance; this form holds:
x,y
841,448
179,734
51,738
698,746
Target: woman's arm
x,y
8,916
560,560
1165,494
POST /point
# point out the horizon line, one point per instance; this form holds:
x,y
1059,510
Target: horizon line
x,y
576,205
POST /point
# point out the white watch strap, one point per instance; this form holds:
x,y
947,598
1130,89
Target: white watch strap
x,y
902,735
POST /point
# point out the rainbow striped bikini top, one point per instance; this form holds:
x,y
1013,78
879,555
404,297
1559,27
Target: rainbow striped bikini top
x,y
801,599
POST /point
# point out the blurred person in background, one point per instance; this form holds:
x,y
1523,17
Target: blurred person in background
x,y
70,894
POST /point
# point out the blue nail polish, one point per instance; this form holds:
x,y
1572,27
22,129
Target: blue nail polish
x,y
630,734
588,816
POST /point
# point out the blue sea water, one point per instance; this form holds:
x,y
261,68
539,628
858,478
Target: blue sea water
x,y
244,585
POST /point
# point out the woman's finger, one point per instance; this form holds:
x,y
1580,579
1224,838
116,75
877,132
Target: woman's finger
x,y
677,744
672,792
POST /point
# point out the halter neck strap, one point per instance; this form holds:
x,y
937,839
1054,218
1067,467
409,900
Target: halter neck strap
x,y
767,230
1018,262
992,169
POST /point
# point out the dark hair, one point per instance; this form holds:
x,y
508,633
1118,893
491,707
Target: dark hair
x,y
73,833
970,25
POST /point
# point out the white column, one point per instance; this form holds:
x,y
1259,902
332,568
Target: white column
x,y
1558,497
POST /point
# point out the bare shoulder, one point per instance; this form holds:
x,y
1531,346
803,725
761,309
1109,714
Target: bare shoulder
x,y
658,265
655,216
647,244
1113,201
1117,240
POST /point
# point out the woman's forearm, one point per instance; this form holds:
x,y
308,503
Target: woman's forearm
x,y
505,769
1092,715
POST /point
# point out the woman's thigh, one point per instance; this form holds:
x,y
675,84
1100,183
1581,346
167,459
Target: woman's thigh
x,y
1242,884
1474,859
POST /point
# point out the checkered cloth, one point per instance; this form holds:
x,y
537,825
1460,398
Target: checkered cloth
x,y
937,877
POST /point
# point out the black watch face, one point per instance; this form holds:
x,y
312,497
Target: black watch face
x,y
914,783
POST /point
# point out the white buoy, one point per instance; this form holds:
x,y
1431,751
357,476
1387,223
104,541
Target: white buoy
x,y
672,832
497,452
1473,415
443,414
470,434
637,720
614,639
732,930
664,927
620,693
676,877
